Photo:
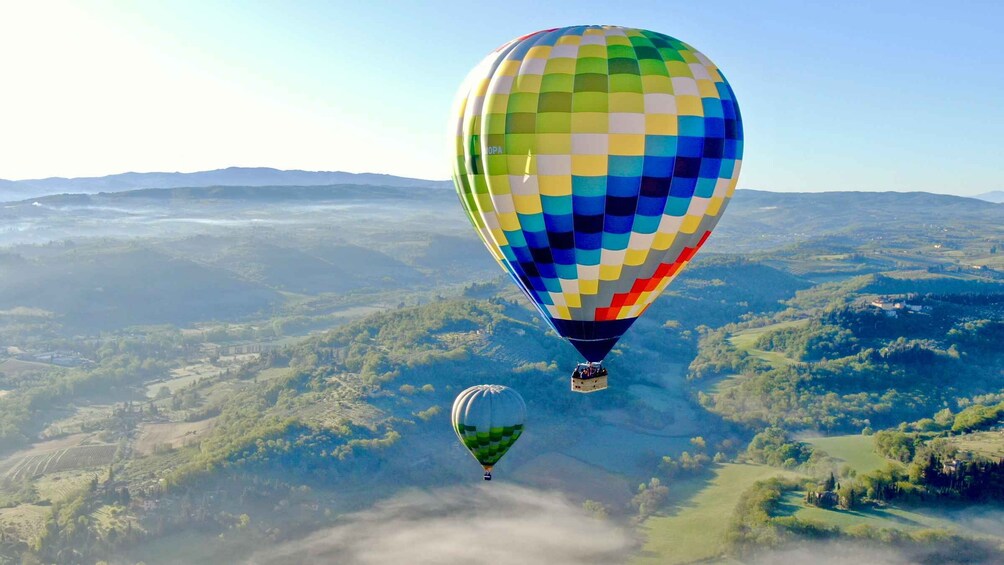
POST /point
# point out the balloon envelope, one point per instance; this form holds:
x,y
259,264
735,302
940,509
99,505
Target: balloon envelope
x,y
594,161
488,419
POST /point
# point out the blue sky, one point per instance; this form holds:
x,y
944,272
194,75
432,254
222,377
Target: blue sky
x,y
835,95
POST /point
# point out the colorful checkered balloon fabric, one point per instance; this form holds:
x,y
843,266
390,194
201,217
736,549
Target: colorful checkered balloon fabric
x,y
594,162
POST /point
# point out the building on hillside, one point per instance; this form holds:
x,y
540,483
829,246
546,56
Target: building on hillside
x,y
893,307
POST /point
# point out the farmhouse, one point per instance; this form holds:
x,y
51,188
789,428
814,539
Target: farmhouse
x,y
892,307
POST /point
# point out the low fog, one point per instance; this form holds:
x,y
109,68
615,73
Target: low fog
x,y
492,523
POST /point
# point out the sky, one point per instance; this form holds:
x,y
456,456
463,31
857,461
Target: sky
x,y
853,95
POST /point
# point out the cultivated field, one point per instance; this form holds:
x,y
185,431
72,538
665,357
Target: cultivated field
x,y
173,434
987,444
23,522
59,486
56,455
184,376
78,419
16,367
80,457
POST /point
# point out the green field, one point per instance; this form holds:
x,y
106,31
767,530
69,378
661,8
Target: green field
x,y
745,340
693,528
856,450
889,517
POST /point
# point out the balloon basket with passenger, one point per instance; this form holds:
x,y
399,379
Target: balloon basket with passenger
x,y
589,377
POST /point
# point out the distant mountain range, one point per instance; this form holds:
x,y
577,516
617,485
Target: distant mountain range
x,y
11,191
232,176
996,196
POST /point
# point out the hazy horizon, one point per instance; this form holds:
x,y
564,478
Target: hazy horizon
x,y
833,97
416,177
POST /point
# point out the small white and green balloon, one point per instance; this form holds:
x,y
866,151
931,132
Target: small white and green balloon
x,y
488,420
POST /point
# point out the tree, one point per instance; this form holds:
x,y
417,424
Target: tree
x,y
595,509
649,498
830,483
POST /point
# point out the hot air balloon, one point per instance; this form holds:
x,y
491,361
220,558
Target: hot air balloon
x,y
594,161
488,419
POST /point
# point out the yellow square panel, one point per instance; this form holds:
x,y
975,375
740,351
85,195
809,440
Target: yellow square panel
x,y
661,124
521,164
499,236
664,283
497,102
527,83
656,83
555,185
689,106
707,89
588,287
610,272
561,65
538,52
481,87
614,39
678,69
645,298
635,257
662,241
554,143
599,51
569,40
499,184
627,144
508,68
590,122
690,224
626,102
573,300
485,203
734,181
589,165
509,221
714,206
527,204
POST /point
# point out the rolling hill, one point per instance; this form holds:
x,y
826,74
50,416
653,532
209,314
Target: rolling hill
x,y
232,176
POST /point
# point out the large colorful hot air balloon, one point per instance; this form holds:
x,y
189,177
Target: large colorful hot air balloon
x,y
488,419
594,161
